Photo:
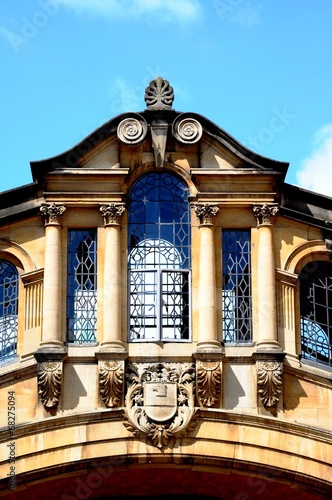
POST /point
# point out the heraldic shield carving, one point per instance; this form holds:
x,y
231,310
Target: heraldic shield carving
x,y
160,401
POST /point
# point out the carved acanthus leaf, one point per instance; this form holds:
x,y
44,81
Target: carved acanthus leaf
x,y
111,382
49,382
269,380
52,212
112,212
265,213
205,212
208,383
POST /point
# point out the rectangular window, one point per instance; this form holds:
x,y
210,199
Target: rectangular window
x,y
236,282
82,286
159,305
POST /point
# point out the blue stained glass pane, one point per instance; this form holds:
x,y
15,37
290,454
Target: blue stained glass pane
x,y
8,310
236,282
163,243
316,311
82,286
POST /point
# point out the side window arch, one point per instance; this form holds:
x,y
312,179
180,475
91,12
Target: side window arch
x,y
159,259
315,281
9,288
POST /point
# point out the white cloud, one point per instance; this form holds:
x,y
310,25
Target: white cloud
x,y
238,11
167,10
315,171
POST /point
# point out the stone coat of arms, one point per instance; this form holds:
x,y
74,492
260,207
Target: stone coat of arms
x,y
160,401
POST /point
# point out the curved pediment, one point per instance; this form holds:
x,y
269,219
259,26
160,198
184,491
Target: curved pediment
x,y
158,134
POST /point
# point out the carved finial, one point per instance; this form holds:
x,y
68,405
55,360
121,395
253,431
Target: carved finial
x,y
52,212
206,212
265,213
159,94
112,212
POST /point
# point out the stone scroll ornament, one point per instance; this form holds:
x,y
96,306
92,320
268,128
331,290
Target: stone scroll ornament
x,y
160,401
208,374
159,94
187,130
49,382
132,130
269,381
111,382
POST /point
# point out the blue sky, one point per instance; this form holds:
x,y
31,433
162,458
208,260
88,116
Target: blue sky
x,y
260,69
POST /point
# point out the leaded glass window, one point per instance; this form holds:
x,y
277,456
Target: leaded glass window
x,y
159,259
82,286
8,309
316,311
236,282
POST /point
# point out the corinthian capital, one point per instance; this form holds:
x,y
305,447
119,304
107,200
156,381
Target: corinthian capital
x,y
111,213
52,212
265,213
206,212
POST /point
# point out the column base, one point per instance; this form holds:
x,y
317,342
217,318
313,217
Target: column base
x,y
110,349
210,346
50,350
268,346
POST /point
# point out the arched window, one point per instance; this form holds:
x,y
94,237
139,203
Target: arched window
x,y
159,259
82,286
316,311
8,309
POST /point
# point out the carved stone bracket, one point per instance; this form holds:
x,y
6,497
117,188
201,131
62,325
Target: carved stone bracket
x,y
111,381
205,213
49,376
208,376
52,212
159,130
265,213
269,377
159,94
111,213
160,401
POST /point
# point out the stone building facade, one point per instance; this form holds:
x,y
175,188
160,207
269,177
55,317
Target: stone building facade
x,y
165,319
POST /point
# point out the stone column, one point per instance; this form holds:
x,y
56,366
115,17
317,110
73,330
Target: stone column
x,y
269,356
112,277
207,280
267,319
51,354
52,314
112,353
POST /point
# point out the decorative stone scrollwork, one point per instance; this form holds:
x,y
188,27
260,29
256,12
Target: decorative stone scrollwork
x,y
265,213
187,130
52,212
206,212
112,212
111,384
49,382
269,380
160,401
159,94
132,130
208,375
